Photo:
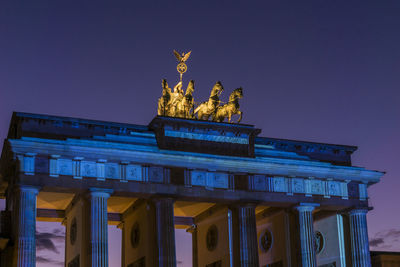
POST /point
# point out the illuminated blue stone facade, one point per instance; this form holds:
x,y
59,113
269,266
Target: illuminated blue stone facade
x,y
173,161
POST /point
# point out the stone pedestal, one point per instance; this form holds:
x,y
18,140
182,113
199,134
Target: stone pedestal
x,y
165,229
25,226
359,238
306,234
247,234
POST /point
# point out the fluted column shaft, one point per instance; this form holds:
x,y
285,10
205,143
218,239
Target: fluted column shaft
x,y
306,232
193,231
247,235
98,234
25,228
359,238
165,230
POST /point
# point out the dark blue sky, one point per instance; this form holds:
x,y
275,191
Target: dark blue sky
x,y
325,71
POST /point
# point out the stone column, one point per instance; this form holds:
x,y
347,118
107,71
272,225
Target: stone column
x,y
25,226
64,223
123,229
248,245
165,230
98,227
359,238
306,233
193,231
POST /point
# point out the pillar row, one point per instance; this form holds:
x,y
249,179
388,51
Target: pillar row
x,y
25,226
306,233
165,229
359,238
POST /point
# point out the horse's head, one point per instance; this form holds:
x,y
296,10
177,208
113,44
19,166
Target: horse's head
x,y
190,87
239,92
165,86
236,94
217,89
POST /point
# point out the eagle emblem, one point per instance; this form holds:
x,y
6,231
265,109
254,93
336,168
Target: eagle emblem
x,y
182,58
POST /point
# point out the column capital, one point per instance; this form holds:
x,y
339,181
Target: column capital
x,y
158,198
356,210
302,207
359,210
27,188
99,192
245,204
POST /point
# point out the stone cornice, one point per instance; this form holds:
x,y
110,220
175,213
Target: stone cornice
x,y
152,155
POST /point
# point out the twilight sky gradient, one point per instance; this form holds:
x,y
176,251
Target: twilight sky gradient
x,y
324,71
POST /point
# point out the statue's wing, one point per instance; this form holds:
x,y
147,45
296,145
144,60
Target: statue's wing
x,y
186,56
178,56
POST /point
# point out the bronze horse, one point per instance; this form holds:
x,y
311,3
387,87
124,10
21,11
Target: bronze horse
x,y
231,108
208,108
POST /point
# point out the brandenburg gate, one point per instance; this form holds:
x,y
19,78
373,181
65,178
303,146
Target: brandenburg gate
x,y
247,200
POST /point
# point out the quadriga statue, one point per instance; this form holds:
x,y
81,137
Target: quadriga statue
x,y
177,103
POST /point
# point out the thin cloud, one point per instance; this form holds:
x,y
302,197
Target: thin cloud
x,y
376,242
45,241
40,259
385,239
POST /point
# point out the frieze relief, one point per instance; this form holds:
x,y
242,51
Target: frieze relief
x,y
88,169
112,171
317,187
220,180
65,166
280,184
156,174
199,178
298,185
334,188
210,179
124,171
134,172
260,183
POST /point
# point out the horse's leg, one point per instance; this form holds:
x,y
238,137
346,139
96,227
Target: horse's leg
x,y
240,117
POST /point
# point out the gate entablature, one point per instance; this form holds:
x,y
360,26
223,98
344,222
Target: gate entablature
x,y
55,152
200,136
